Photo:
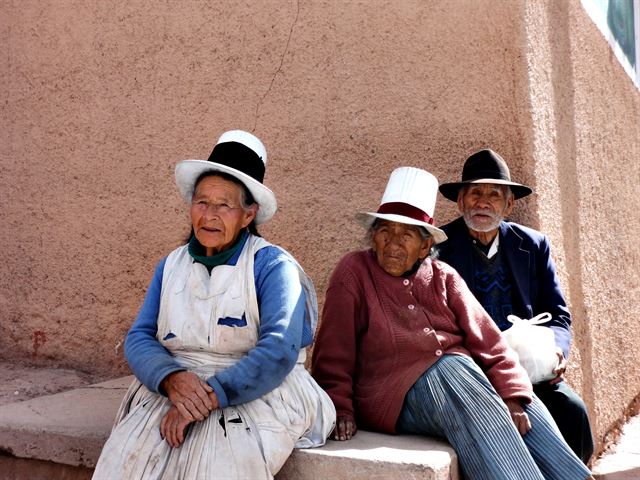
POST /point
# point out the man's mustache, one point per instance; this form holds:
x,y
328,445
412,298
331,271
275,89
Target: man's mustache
x,y
483,211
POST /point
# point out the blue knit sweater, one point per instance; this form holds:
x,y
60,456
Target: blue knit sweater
x,y
283,332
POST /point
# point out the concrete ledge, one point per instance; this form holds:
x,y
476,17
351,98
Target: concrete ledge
x,y
12,468
623,461
375,456
70,428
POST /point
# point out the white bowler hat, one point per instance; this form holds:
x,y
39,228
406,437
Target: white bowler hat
x,y
241,155
410,197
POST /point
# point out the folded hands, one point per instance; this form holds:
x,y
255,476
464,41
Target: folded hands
x,y
192,400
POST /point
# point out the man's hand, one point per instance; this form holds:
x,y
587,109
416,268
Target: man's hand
x,y
345,429
190,395
173,427
518,415
560,369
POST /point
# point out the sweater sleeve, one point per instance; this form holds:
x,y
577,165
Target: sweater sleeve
x,y
282,333
485,342
335,348
148,359
550,298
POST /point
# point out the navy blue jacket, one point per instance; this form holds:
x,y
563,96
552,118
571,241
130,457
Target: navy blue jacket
x,y
527,253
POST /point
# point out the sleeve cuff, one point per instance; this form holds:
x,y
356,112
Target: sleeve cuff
x,y
563,340
223,401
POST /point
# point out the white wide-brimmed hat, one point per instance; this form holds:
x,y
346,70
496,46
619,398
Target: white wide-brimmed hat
x,y
410,197
241,155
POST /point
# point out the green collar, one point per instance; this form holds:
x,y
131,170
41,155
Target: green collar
x,y
198,252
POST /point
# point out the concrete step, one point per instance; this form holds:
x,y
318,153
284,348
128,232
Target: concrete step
x,y
375,456
622,460
60,436
68,428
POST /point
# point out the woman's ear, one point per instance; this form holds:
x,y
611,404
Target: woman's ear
x,y
427,243
250,213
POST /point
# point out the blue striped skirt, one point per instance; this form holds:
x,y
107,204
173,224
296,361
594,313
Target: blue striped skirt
x,y
454,400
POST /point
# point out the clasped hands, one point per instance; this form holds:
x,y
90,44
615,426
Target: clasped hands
x,y
192,400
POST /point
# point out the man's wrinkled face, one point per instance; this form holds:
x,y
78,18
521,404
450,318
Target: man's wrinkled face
x,y
484,205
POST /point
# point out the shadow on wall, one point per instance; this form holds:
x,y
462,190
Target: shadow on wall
x,y
564,111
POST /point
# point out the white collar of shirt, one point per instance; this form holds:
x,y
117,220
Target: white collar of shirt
x,y
494,246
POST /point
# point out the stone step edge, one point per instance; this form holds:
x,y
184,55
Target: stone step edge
x,y
70,428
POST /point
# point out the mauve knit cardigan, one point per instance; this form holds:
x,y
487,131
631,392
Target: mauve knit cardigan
x,y
379,333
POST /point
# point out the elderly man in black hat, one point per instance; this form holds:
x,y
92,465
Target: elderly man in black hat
x,y
509,269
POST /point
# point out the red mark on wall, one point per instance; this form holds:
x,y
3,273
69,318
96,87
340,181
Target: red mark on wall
x,y
39,339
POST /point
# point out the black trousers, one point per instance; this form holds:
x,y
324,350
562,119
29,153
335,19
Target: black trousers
x,y
570,414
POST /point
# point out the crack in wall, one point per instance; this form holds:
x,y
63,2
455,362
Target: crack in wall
x,y
279,69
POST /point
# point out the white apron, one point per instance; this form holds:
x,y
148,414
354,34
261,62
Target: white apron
x,y
249,441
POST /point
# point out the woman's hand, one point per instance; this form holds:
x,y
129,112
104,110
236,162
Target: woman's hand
x,y
345,428
173,427
559,370
191,396
518,415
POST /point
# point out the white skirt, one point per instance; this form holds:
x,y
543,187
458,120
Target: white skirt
x,y
249,441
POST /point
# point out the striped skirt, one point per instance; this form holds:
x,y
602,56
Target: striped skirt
x,y
454,399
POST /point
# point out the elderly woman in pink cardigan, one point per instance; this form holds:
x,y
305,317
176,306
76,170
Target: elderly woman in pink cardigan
x,y
404,347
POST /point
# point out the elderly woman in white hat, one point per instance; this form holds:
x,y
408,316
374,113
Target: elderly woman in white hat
x,y
218,347
404,347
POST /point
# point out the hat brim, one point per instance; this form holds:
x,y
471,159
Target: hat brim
x,y
188,171
367,218
450,190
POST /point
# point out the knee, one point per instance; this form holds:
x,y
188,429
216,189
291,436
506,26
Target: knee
x,y
566,400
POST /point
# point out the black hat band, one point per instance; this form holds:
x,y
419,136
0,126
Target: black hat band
x,y
477,174
239,157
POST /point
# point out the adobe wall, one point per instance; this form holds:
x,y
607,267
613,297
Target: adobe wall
x,y
586,144
100,102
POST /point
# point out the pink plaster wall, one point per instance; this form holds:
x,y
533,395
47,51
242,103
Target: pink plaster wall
x,y
600,163
585,146
101,100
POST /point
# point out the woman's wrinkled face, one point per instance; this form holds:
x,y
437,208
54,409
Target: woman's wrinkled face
x,y
217,216
398,246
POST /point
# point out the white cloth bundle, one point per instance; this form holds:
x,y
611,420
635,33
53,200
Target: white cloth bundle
x,y
535,346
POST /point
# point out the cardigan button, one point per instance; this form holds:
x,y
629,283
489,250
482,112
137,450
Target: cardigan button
x,y
405,282
426,329
411,307
438,353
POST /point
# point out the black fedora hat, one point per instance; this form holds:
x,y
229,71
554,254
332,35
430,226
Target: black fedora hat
x,y
485,166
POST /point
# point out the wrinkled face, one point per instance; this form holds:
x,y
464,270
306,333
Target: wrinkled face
x,y
398,246
484,205
217,216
